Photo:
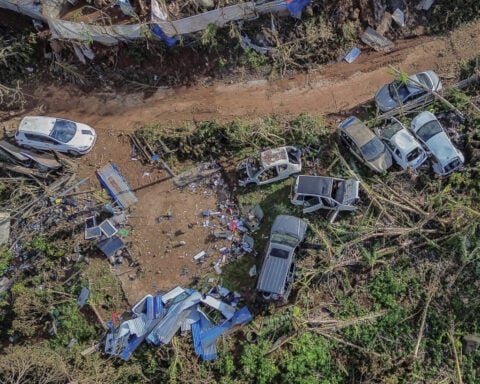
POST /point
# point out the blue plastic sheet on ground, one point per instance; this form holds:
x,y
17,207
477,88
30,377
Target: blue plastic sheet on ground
x,y
170,41
242,316
295,7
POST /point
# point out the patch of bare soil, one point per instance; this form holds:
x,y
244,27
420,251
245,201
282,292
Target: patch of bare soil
x,y
168,226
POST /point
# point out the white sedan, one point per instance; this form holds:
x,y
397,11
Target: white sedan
x,y
445,157
51,133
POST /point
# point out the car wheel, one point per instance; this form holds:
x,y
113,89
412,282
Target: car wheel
x,y
73,153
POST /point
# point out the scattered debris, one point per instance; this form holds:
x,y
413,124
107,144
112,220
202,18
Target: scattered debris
x,y
399,17
376,41
156,320
82,298
352,55
424,5
116,185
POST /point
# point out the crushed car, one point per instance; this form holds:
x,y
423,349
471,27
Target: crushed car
x,y
398,93
269,166
55,134
364,144
446,158
403,146
324,192
278,269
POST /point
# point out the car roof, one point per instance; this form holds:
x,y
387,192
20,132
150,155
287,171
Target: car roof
x,y
274,156
315,185
37,124
404,140
357,130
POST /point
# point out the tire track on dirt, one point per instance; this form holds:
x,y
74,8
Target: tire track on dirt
x,y
329,89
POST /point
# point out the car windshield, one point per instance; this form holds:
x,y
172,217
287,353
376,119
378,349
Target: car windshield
x,y
398,91
373,149
428,130
253,165
392,129
63,130
425,80
413,154
281,238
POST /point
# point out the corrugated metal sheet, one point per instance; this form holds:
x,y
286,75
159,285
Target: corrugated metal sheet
x,y
116,185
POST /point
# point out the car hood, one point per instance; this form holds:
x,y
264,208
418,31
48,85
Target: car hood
x,y
443,149
290,225
384,100
381,163
84,136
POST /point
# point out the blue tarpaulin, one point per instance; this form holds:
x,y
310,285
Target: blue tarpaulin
x,y
295,7
170,41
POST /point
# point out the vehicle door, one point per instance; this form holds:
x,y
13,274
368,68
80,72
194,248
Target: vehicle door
x,y
312,203
42,142
347,140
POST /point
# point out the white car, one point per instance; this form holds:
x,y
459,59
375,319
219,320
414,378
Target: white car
x,y
445,157
405,149
51,133
269,166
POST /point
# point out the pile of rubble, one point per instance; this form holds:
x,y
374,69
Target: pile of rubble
x,y
156,320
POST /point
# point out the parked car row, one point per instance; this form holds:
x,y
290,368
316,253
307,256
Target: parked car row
x,y
410,148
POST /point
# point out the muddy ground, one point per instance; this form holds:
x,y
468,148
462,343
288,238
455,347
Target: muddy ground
x,y
329,90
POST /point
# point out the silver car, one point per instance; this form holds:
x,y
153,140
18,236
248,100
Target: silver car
x,y
324,192
269,166
397,93
405,149
278,269
445,157
364,144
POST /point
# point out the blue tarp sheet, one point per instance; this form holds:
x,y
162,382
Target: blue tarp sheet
x,y
156,30
295,7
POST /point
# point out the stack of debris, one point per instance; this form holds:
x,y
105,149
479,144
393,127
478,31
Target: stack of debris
x,y
158,318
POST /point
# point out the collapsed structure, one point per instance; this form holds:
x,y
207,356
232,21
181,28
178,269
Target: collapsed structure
x,y
158,24
156,320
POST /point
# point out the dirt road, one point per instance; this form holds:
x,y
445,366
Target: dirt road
x,y
329,89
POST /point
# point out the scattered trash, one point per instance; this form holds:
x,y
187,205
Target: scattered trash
x,y
111,245
399,17
116,186
107,228
217,269
199,256
424,5
352,55
82,298
378,42
252,272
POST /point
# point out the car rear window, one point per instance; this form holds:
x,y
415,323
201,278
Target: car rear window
x,y
428,130
373,149
425,80
63,130
281,253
